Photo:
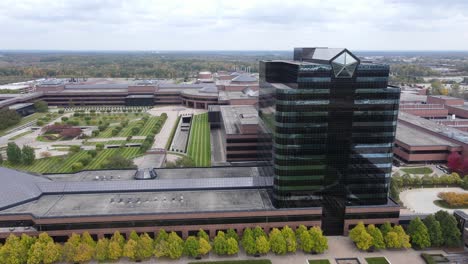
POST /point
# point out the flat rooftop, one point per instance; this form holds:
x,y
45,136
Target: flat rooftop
x,y
235,116
414,137
434,127
19,106
182,173
144,203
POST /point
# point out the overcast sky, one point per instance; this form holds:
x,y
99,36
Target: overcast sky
x,y
233,25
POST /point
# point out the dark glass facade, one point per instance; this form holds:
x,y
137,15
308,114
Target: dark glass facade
x,y
332,123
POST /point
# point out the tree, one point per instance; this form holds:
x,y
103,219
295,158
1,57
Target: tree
x,y
102,250
404,239
385,228
133,235
115,250
248,242
1,159
377,237
77,166
204,247
28,155
435,233
305,242
135,130
455,90
70,133
175,246
161,246
277,242
129,250
454,161
319,241
289,236
220,243
88,240
450,231
118,238
13,153
144,249
418,233
301,229
192,247
8,118
118,162
232,246
392,240
231,233
52,253
70,247
262,244
258,232
41,106
74,149
202,234
11,251
99,146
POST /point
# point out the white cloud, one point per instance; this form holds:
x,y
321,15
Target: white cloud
x,y
220,24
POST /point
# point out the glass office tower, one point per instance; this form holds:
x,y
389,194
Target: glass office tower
x,y
332,122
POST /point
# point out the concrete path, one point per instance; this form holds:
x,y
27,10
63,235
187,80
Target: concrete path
x,y
172,112
422,200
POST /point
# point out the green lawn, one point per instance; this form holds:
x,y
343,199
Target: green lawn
x,y
421,170
377,260
63,164
199,147
319,261
113,142
127,131
256,261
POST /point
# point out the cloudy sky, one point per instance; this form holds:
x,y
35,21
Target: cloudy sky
x,y
233,25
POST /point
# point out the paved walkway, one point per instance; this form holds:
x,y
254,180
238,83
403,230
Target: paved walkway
x,y
422,200
172,112
339,247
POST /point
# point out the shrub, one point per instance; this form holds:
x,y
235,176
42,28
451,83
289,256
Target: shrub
x,y
61,111
74,149
77,166
454,199
99,146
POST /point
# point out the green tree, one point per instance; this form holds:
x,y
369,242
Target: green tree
x,y
232,246
129,250
320,242
450,231
419,234
144,249
102,250
258,232
205,247
289,236
232,233
52,253
385,228
392,240
262,244
1,159
8,118
277,242
41,106
377,237
161,246
305,242
402,237
70,248
133,235
202,234
248,242
118,238
175,246
87,239
301,229
435,232
192,247
13,153
220,243
28,155
77,166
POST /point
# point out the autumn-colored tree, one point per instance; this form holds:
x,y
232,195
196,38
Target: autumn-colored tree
x,y
319,241
454,161
115,250
144,249
204,247
262,244
277,242
129,250
232,246
161,246
70,247
102,250
11,251
377,237
360,237
392,240
402,236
